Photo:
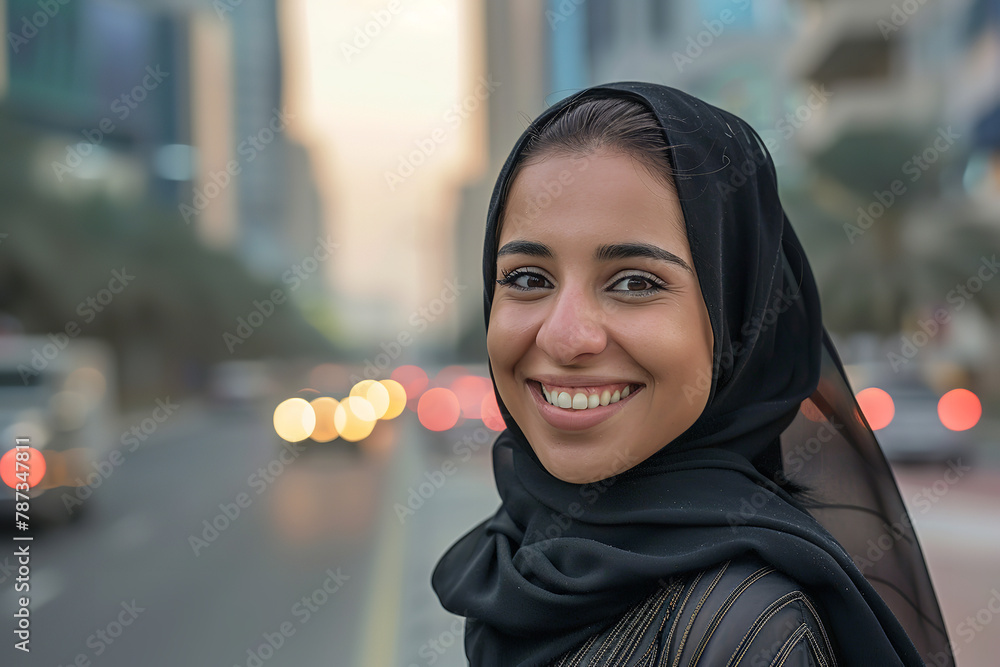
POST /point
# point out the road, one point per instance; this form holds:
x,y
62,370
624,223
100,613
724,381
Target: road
x,y
213,545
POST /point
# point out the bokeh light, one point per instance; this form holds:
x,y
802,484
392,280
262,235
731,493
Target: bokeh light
x,y
959,409
89,383
439,409
877,406
470,390
9,469
294,419
397,399
414,380
375,393
325,429
491,413
354,418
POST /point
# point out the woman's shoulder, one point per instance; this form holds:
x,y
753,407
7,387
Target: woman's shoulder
x,y
740,612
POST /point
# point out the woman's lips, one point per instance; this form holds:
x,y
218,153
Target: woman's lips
x,y
569,419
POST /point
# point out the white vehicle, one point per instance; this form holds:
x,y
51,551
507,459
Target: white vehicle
x,y
59,392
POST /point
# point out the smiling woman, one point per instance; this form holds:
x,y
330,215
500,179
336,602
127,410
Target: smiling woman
x,y
598,309
660,362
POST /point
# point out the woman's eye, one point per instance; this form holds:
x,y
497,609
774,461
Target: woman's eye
x,y
636,283
523,280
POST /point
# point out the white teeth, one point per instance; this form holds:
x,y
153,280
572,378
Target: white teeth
x,y
564,400
584,401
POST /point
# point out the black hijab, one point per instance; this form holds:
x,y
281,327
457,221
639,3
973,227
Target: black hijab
x,y
560,561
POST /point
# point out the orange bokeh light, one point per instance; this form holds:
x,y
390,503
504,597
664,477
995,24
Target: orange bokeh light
x,y
470,390
491,412
438,409
959,409
877,406
9,469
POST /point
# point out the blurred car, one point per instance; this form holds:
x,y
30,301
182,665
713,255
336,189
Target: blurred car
x,y
915,432
62,399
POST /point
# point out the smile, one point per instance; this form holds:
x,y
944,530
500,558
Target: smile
x,y
581,407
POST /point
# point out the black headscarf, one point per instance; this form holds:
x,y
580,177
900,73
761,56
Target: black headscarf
x,y
559,561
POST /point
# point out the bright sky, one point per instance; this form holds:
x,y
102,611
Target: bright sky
x,y
374,80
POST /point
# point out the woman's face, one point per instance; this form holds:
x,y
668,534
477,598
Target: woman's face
x,y
601,310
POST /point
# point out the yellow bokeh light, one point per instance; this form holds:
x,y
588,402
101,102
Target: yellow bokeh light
x,y
397,399
294,419
325,409
354,418
375,393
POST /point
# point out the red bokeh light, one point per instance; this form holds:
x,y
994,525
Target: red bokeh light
x,y
35,467
470,390
414,380
491,412
877,406
959,409
438,409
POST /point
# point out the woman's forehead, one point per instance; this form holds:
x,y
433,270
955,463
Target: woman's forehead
x,y
593,199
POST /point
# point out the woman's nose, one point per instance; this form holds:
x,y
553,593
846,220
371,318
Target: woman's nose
x,y
573,326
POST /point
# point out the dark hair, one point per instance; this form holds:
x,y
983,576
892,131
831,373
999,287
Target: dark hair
x,y
596,123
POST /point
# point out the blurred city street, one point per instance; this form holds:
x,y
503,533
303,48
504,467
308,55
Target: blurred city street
x,y
330,561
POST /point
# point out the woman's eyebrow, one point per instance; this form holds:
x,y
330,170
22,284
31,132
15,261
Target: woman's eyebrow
x,y
626,250
532,248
